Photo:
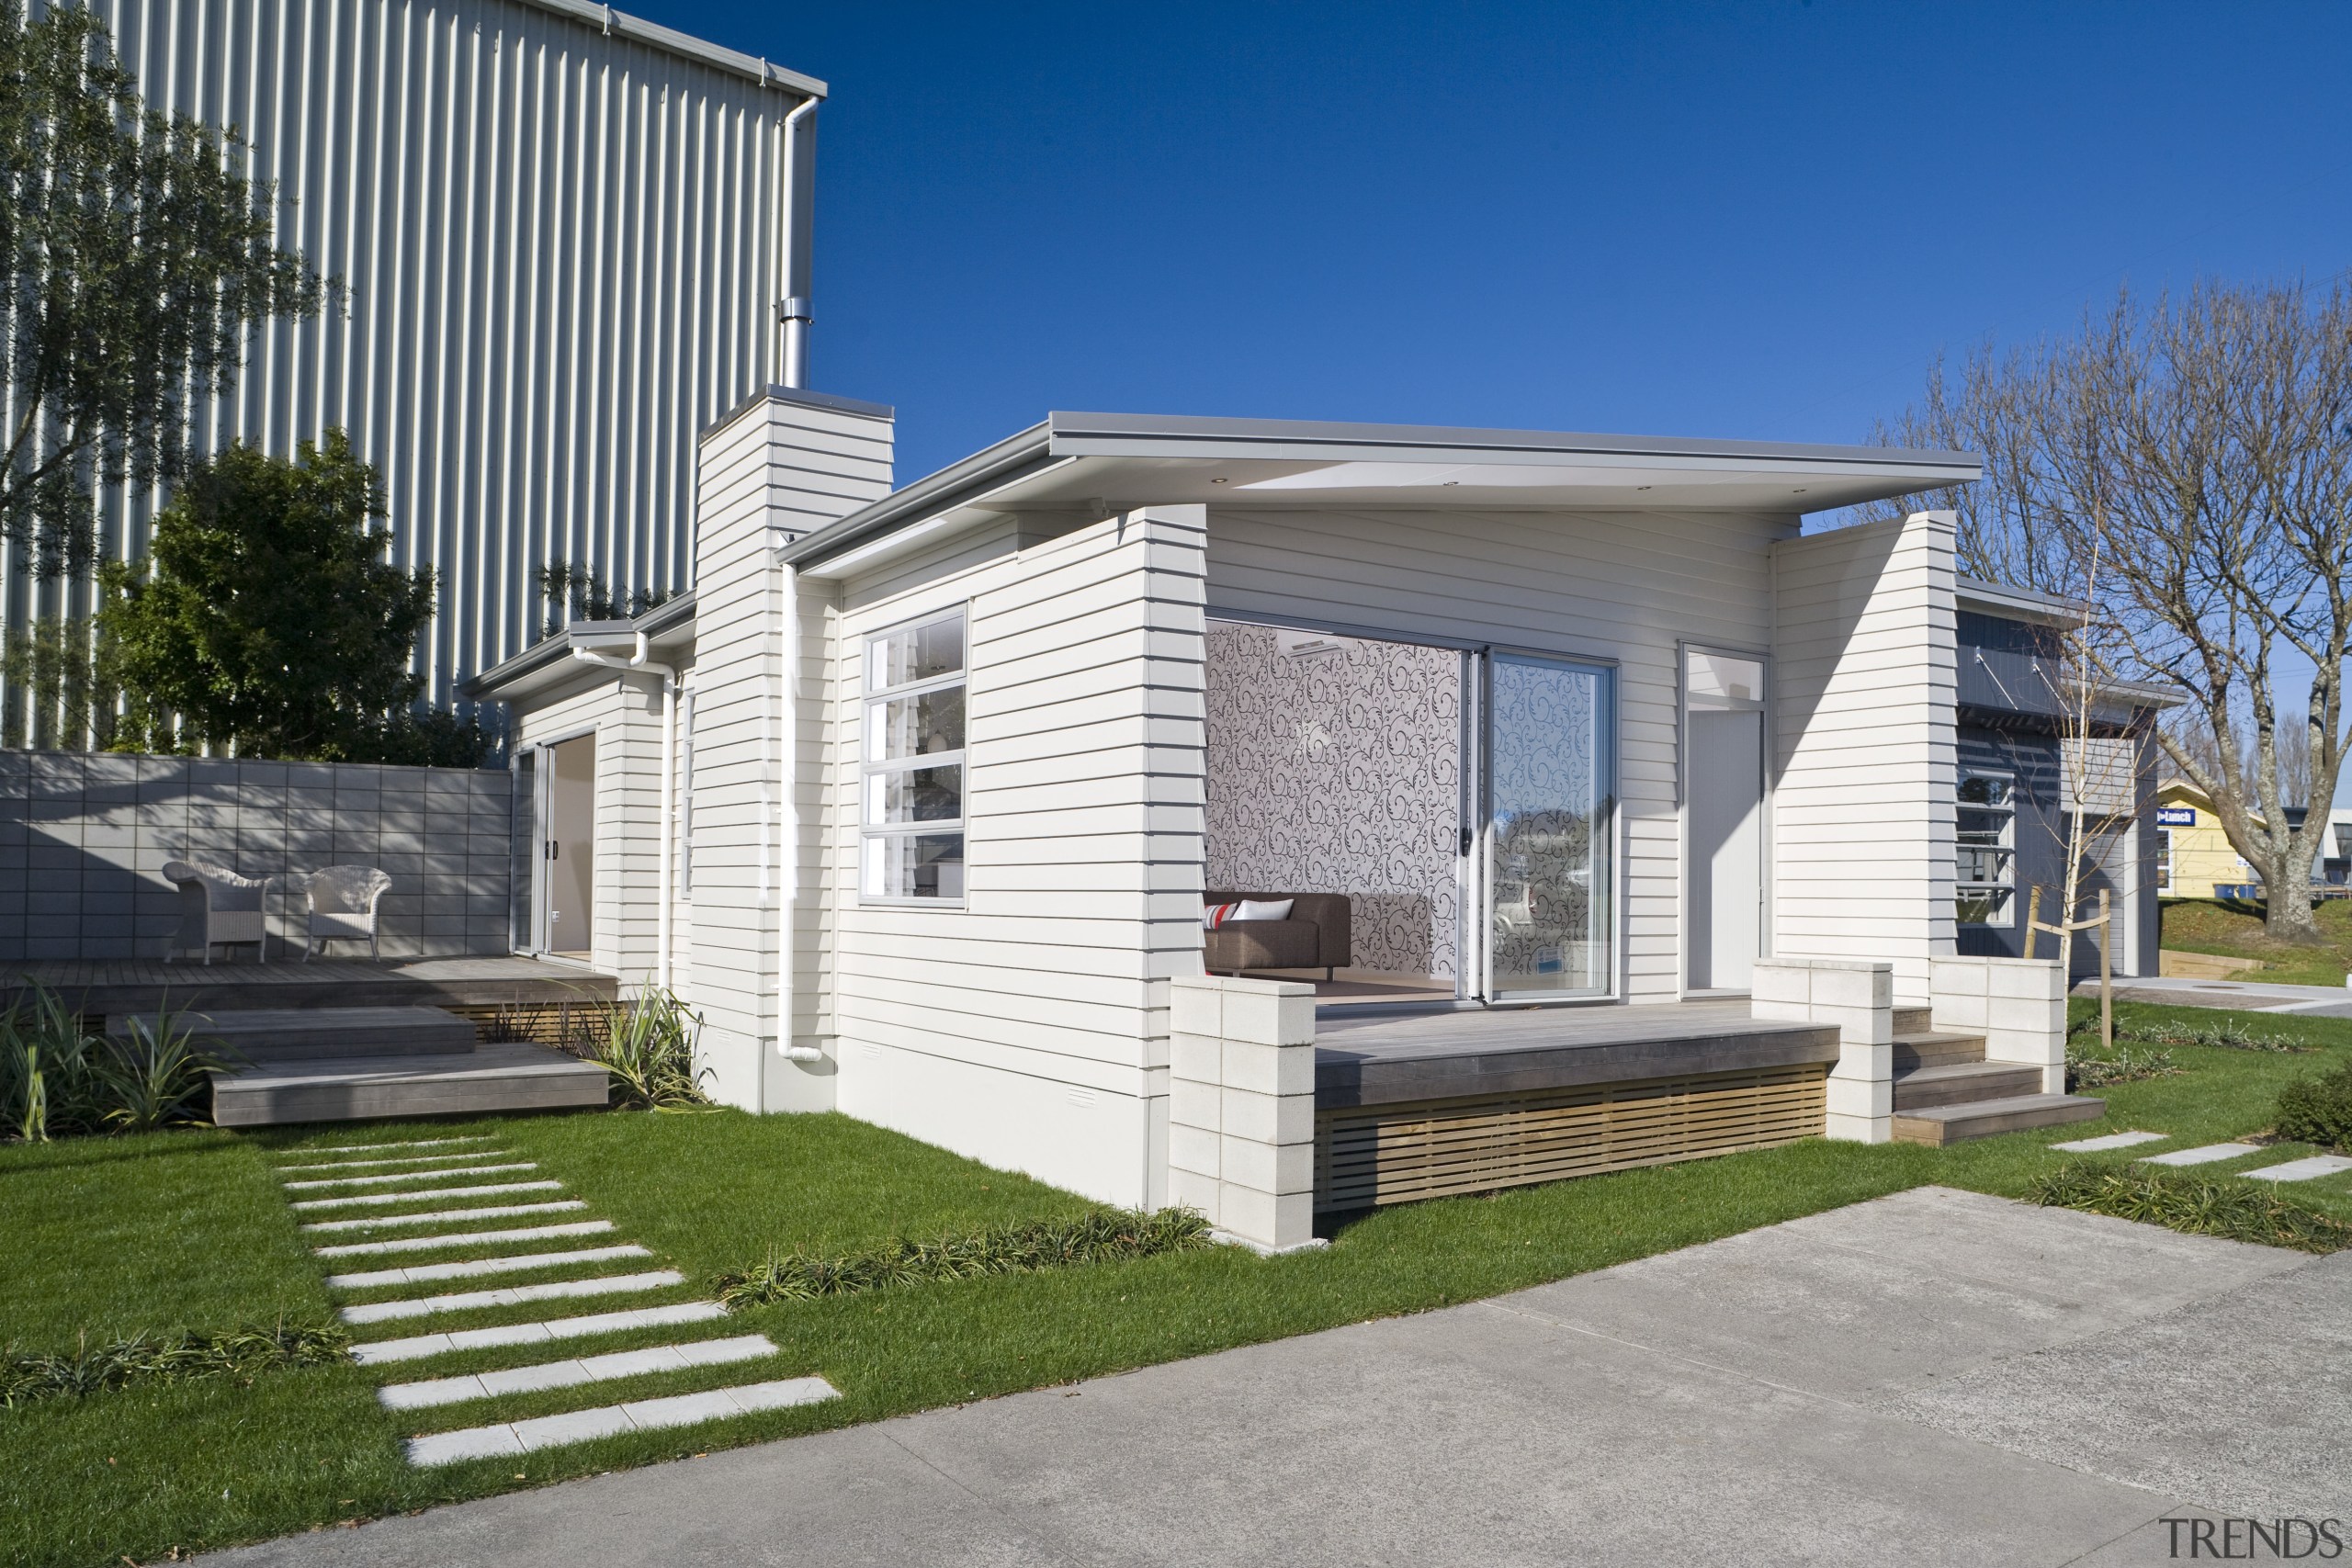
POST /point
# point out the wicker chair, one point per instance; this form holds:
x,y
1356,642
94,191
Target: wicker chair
x,y
342,906
217,908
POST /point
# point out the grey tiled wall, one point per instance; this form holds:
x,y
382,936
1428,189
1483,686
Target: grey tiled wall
x,y
83,836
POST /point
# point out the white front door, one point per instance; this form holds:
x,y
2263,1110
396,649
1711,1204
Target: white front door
x,y
1723,791
568,846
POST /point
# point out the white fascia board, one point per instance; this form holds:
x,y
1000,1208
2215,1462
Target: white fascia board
x,y
966,514
1112,434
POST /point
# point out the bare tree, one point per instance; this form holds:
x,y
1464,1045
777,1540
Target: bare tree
x,y
2194,739
2294,763
2208,441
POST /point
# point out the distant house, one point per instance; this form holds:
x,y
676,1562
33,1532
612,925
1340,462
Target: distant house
x,y
2019,772
2197,860
2194,857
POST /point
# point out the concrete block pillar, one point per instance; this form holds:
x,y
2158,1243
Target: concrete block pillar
x,y
1241,1108
1857,996
2019,1005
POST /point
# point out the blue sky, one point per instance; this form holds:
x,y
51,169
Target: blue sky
x,y
1749,219
1742,219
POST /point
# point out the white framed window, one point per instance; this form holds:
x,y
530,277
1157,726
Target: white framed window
x,y
1987,849
2164,860
911,776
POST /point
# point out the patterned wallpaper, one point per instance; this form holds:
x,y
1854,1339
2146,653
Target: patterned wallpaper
x,y
1339,772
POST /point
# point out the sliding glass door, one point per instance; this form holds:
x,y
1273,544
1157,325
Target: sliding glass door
x,y
1549,827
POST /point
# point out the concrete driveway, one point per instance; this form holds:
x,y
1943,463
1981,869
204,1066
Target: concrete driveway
x,y
1936,1377
2232,995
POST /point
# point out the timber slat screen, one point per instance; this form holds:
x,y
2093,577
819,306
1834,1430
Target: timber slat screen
x,y
1396,1154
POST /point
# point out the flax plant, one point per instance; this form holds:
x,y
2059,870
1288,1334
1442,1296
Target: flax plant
x,y
649,1048
59,1080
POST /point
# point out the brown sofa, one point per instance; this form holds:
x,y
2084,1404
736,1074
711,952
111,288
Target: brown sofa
x,y
1317,935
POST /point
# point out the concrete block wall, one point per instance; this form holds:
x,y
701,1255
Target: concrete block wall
x,y
2019,1005
1241,1107
1857,996
83,836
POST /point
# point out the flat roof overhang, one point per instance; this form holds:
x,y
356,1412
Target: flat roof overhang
x,y
1074,462
669,629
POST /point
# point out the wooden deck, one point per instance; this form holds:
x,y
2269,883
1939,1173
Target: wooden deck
x,y
470,984
1425,1105
1361,1060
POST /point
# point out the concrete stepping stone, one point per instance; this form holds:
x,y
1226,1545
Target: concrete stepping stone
x,y
443,1216
407,1144
569,1374
2204,1156
423,1273
390,1177
641,1416
511,1295
2309,1169
462,1238
490,1191
416,1347
2111,1141
413,1159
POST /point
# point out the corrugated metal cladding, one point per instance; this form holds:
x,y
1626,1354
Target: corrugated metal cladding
x,y
562,250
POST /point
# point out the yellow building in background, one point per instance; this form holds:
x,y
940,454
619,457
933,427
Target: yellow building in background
x,y
2194,859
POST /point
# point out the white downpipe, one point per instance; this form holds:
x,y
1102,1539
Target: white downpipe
x,y
795,252
788,823
663,872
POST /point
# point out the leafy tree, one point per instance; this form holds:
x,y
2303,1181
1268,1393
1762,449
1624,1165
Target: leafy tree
x,y
268,618
61,684
138,255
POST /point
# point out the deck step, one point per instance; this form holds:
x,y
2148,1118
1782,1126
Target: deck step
x,y
1959,1083
1914,1020
1935,1048
497,1077
1941,1125
282,1034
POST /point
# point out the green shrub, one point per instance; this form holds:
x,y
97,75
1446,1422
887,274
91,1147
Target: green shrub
x,y
2129,1065
2318,1111
649,1047
25,1376
57,1079
1101,1236
2198,1205
2228,1034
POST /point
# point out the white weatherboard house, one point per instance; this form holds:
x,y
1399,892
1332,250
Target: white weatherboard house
x,y
1588,812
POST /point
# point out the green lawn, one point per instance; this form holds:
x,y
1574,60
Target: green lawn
x,y
2201,925
188,1230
